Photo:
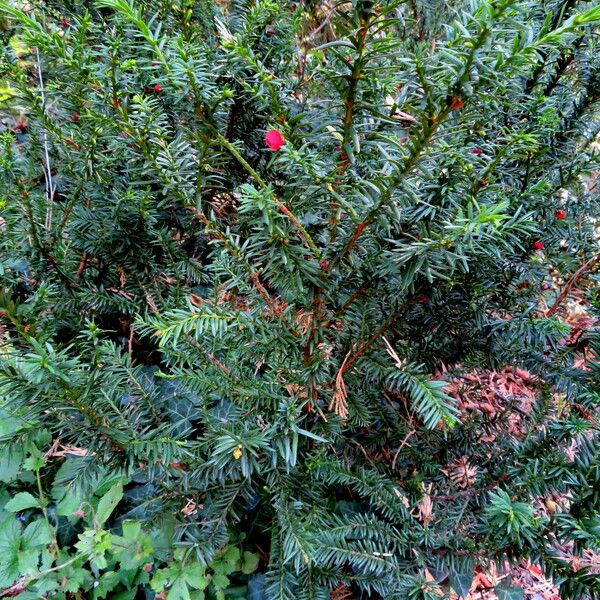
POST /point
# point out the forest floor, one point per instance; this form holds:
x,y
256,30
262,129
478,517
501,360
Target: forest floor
x,y
491,392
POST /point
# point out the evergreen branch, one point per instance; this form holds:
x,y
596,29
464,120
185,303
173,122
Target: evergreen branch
x,y
589,265
281,207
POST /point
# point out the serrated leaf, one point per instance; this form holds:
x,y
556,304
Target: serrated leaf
x,y
194,576
220,581
249,563
37,534
10,462
179,590
21,501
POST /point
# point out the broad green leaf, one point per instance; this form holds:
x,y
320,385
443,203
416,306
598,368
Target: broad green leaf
x,y
195,577
249,563
125,595
21,501
461,577
178,590
108,502
231,554
10,463
504,591
220,581
131,529
10,542
106,584
37,534
29,559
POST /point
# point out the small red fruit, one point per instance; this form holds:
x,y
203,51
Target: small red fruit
x,y
157,88
75,117
538,245
560,214
274,139
477,151
64,23
456,103
424,298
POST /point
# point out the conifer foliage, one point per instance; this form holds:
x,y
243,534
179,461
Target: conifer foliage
x,y
248,248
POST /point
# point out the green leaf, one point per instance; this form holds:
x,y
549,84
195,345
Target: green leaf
x,y
10,542
37,534
179,590
28,561
220,581
21,501
231,554
250,563
108,502
504,591
195,577
35,461
461,581
125,595
131,529
106,584
10,462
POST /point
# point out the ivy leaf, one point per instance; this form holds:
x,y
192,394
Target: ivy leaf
x,y
21,501
461,578
108,502
504,591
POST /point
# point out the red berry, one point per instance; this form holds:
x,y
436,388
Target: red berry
x,y
477,151
64,23
456,103
538,245
75,117
274,139
157,88
424,298
560,214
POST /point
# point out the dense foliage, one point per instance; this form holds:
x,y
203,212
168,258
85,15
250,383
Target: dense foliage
x,y
246,248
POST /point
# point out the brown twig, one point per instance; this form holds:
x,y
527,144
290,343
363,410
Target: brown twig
x,y
411,432
590,264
